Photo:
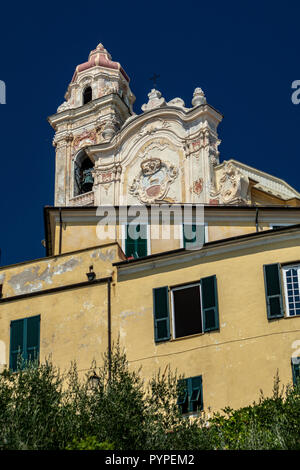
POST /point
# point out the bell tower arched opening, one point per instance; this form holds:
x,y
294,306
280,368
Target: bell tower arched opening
x,y
87,95
83,178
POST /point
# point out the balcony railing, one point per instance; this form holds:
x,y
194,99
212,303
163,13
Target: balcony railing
x,y
85,199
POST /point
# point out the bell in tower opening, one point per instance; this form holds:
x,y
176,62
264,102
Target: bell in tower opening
x,y
83,181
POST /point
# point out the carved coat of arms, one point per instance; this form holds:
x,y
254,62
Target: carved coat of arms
x,y
153,181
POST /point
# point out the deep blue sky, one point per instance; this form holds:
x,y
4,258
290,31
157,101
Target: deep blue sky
x,y
245,56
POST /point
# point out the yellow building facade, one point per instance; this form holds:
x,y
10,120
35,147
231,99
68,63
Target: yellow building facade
x,y
210,286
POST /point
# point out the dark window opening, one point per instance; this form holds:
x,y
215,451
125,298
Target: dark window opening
x,y
87,95
187,311
83,177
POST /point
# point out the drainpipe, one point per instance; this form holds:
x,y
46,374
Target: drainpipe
x,y
109,326
60,232
256,219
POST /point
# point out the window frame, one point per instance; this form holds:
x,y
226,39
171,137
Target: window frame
x,y
295,365
124,237
188,391
24,341
173,326
284,270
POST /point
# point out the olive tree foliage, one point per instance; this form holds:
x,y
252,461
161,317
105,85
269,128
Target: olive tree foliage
x,y
44,408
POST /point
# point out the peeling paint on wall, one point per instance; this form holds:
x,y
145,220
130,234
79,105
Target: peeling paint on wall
x,y
31,279
108,255
125,314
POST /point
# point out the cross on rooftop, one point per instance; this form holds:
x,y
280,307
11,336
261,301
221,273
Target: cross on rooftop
x,y
154,78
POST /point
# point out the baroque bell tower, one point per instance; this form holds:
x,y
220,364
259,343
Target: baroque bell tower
x,y
97,103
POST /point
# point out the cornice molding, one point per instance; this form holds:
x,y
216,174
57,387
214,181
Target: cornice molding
x,y
168,112
180,257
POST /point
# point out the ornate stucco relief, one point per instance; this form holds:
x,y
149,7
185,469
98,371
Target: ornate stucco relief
x,y
151,174
233,186
153,181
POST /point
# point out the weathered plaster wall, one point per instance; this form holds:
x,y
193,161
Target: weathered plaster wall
x,y
73,325
235,362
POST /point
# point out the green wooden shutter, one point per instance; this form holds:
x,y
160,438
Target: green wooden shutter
x,y
142,242
161,314
273,290
16,343
136,247
129,244
195,393
182,399
209,303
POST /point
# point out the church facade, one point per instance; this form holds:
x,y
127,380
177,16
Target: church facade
x,y
189,261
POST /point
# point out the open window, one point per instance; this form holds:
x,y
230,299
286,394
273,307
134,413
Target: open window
x,y
187,321
190,395
193,309
83,177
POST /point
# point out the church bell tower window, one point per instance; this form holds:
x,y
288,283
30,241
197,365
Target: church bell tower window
x,y
83,181
87,95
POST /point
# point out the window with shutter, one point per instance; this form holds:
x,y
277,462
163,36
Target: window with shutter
x,y
296,369
136,246
195,308
187,318
190,395
24,341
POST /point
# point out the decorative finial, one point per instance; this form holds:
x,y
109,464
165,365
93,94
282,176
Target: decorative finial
x,y
198,97
155,100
